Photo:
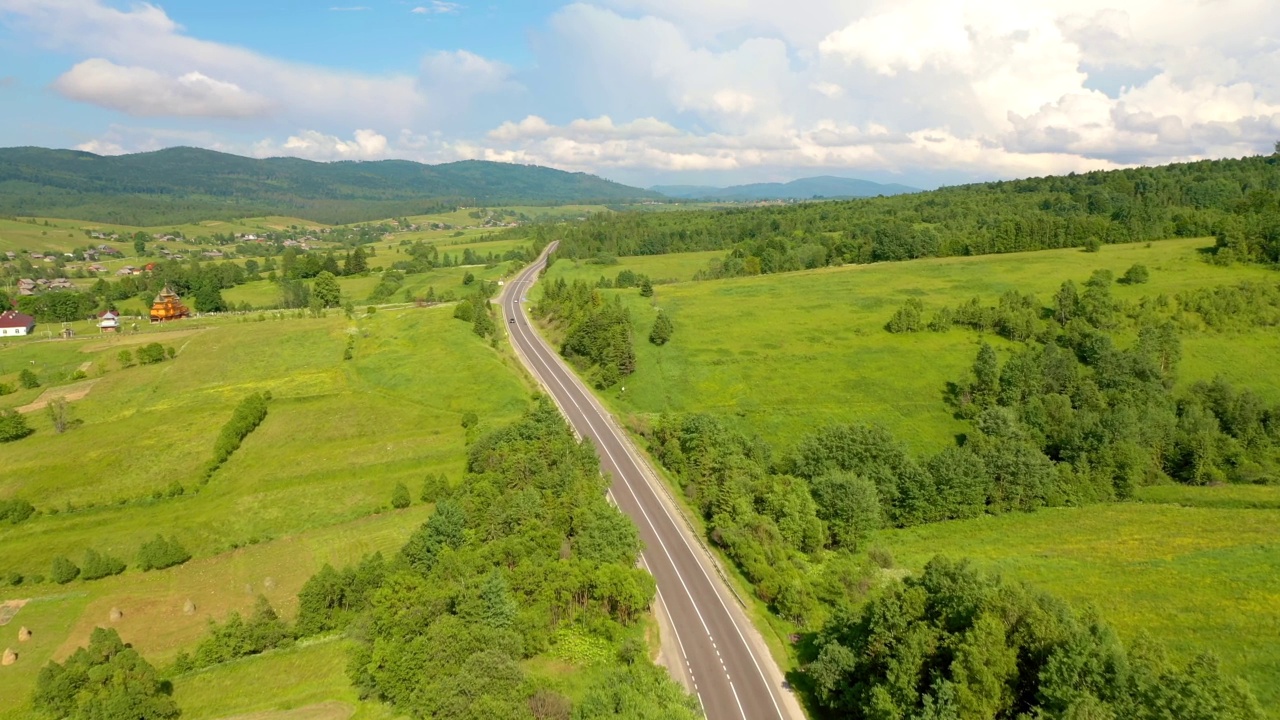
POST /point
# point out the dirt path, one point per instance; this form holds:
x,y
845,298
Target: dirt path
x,y
9,609
70,393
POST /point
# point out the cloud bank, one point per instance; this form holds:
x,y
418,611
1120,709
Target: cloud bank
x,y
732,88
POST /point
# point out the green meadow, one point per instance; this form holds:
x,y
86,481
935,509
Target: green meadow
x,y
357,289
1198,568
783,354
311,485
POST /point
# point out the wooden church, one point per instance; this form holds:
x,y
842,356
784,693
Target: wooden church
x,y
168,306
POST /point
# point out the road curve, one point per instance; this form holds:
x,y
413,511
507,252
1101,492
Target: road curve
x,y
725,660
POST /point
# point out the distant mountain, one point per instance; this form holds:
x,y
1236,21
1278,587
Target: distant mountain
x,y
803,189
187,184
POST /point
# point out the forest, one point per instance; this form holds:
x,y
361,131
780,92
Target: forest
x,y
1237,201
181,185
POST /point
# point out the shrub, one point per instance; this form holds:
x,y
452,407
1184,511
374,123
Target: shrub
x,y
126,358
160,553
470,420
400,496
237,637
6,389
151,354
28,379
907,319
13,426
1135,275
15,510
247,416
1092,245
63,571
97,565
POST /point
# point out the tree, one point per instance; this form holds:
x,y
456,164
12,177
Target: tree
x,y
59,414
140,243
400,496
63,571
986,376
1092,244
126,359
662,329
107,681
28,380
355,263
849,504
907,319
646,287
434,488
13,426
1066,303
327,290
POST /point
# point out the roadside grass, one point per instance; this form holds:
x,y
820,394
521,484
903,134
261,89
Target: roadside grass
x,y
311,485
676,267
1204,577
780,355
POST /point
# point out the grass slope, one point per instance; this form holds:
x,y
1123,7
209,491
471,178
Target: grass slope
x,y
310,485
786,353
1193,573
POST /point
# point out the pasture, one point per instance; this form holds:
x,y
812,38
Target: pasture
x,y
1197,568
311,485
782,354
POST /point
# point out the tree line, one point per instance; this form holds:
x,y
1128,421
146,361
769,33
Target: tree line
x,y
1234,200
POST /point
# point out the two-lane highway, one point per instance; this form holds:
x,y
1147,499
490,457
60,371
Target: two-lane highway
x,y
730,669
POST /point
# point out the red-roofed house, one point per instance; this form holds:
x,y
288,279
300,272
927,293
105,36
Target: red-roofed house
x,y
15,323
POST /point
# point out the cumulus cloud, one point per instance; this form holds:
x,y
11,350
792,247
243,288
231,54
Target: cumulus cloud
x,y
314,145
145,92
647,88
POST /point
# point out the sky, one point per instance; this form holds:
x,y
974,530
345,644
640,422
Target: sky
x,y
921,92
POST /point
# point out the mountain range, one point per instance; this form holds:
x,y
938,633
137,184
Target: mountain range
x,y
824,186
180,185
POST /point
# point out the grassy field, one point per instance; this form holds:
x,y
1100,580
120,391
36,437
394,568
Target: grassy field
x,y
310,485
266,294
1197,568
678,267
782,354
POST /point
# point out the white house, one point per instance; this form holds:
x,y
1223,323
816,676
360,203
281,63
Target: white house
x,y
109,322
15,323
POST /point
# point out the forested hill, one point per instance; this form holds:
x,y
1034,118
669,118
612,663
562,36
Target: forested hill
x,y
1237,200
188,184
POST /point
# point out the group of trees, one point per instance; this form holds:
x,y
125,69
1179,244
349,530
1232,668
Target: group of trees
x,y
156,554
1234,200
597,333
521,553
954,643
244,419
108,680
478,311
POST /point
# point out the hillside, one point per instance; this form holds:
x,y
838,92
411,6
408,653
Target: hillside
x,y
803,189
180,185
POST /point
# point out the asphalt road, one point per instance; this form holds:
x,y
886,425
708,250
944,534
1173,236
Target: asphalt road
x,y
725,660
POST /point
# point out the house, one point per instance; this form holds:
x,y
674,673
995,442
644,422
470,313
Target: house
x,y
15,323
97,268
126,270
61,284
109,322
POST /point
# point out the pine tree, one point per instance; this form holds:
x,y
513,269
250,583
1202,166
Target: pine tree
x,y
662,329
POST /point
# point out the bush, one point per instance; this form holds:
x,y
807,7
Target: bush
x,y
28,379
237,637
160,553
470,420
126,358
97,565
1092,245
151,354
63,571
1135,275
400,496
907,319
247,416
434,488
13,426
6,389
15,510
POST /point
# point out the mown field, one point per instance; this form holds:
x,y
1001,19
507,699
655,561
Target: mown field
x,y
311,485
266,294
786,353
1198,568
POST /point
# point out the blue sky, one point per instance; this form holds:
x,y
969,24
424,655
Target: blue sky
x,y
655,91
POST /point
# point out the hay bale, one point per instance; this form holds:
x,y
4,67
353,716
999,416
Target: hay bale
x,y
269,583
189,608
24,634
116,614
10,657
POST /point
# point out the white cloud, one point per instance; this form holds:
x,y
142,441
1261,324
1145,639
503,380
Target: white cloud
x,y
145,92
314,145
101,147
438,7
975,88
